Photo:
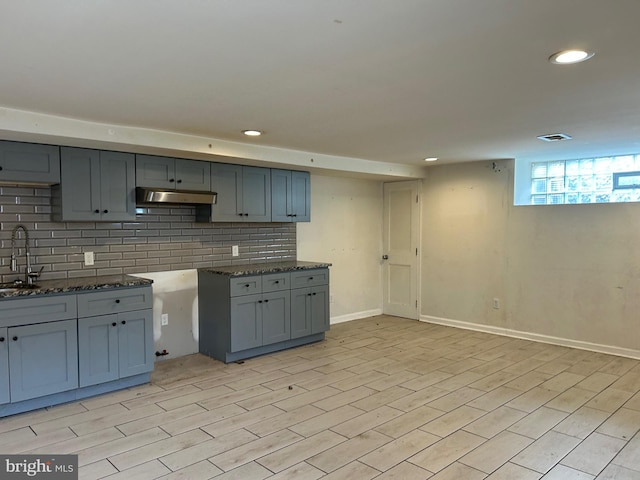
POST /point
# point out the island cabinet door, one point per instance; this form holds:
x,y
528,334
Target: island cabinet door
x,y
319,309
300,312
98,349
276,317
43,359
4,367
246,322
135,342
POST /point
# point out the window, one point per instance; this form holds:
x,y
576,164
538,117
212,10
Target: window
x,y
585,180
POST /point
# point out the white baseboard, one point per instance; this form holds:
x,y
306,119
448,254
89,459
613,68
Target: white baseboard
x,y
355,316
536,337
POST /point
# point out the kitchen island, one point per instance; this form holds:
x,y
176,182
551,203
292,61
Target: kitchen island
x,y
250,310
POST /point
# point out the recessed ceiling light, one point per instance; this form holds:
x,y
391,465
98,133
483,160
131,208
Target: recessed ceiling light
x,y
554,137
431,159
566,57
252,133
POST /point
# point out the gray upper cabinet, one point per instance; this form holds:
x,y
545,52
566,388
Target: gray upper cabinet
x,y
95,186
4,366
244,193
173,173
29,163
290,196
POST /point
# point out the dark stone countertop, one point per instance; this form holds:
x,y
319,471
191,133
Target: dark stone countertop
x,y
262,268
69,285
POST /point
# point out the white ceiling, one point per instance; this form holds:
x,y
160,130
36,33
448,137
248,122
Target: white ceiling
x,y
390,81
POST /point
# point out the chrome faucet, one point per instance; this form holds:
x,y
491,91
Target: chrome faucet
x,y
29,275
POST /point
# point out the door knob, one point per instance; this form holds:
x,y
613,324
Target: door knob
x,y
385,257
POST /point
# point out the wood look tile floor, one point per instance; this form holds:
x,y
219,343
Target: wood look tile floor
x,y
383,397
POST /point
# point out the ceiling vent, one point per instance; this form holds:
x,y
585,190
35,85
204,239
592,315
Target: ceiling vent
x,y
554,137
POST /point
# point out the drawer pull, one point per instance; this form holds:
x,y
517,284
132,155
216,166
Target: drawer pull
x,y
1,339
171,180
117,300
114,324
179,181
247,285
310,278
259,301
277,282
266,301
15,339
313,293
105,211
123,322
96,211
308,294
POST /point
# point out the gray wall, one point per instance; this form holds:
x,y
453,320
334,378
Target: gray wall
x,y
161,239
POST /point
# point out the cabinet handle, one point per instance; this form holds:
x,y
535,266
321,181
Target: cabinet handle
x,y
266,301
105,211
259,301
15,339
246,214
313,293
240,214
179,181
96,211
117,300
310,278
123,322
114,324
247,285
308,294
0,168
1,338
294,215
171,180
277,282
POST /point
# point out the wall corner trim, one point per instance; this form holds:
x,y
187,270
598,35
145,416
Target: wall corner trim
x,y
536,337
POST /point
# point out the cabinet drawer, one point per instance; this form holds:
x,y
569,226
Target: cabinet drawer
x,y
275,282
37,309
309,278
245,285
114,301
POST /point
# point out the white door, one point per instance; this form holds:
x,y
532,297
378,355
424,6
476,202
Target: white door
x,y
400,248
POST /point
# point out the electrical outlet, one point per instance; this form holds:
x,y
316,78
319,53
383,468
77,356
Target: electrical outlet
x,y
234,251
88,258
496,303
164,319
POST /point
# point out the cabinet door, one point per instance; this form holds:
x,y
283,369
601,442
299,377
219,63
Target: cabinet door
x,y
246,322
276,317
152,171
43,359
300,196
193,175
281,196
226,180
98,349
80,185
4,366
135,342
117,186
319,309
28,162
256,194
300,312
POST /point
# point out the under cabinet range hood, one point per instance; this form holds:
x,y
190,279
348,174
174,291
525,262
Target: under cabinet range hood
x,y
147,195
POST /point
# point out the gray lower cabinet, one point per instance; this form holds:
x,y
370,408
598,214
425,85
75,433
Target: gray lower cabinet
x,y
4,366
29,163
309,311
60,347
114,346
96,186
258,320
172,173
43,359
290,196
115,334
241,317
